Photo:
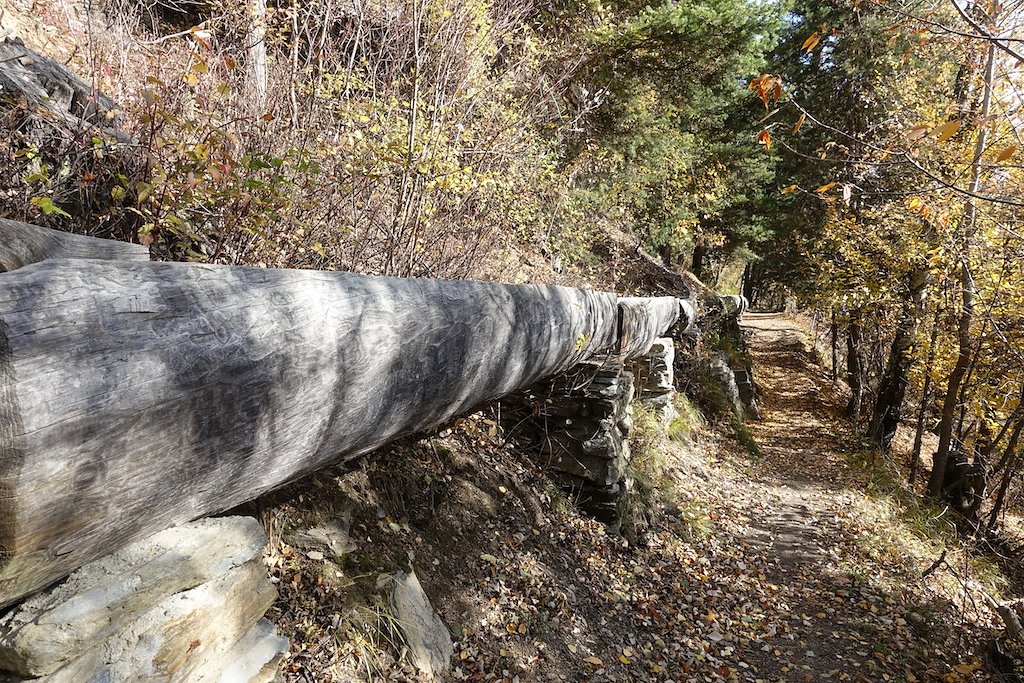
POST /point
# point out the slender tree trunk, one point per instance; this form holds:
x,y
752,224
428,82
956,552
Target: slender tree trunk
x,y
888,410
1004,486
854,369
926,397
1010,461
977,478
666,255
697,260
258,51
293,97
834,332
967,286
747,288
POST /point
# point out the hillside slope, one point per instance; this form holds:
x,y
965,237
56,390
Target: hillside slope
x,y
797,565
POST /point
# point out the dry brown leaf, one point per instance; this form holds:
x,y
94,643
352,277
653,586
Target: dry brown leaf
x,y
799,123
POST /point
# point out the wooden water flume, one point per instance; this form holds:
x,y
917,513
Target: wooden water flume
x,y
135,395
22,244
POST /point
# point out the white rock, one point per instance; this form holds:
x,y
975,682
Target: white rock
x,y
160,605
430,643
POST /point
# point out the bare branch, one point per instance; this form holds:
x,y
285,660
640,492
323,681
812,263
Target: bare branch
x,y
986,34
908,158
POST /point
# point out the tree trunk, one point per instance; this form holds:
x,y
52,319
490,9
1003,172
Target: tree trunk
x,y
1010,462
834,336
135,396
942,453
888,410
1004,485
978,478
967,287
665,252
697,261
258,51
926,397
854,370
747,286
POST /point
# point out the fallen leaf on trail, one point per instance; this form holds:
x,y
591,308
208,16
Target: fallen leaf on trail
x,y
967,667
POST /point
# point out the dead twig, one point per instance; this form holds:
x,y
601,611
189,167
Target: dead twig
x,y
935,565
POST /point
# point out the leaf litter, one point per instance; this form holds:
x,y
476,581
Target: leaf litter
x,y
783,569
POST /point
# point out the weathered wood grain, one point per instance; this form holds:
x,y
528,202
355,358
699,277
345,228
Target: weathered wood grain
x,y
49,88
644,319
734,304
134,396
23,243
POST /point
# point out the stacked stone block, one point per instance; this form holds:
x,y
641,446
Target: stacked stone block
x,y
654,377
578,426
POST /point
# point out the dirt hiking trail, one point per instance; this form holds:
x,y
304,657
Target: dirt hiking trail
x,y
853,602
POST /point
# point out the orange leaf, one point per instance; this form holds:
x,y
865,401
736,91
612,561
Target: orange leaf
x,y
1006,153
799,123
788,189
767,86
946,130
811,42
826,187
765,138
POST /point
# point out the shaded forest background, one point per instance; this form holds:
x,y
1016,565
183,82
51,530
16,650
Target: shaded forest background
x,y
857,159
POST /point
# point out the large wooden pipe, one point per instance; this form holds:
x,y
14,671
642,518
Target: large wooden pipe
x,y
22,244
138,395
644,319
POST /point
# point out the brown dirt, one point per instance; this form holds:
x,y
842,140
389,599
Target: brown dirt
x,y
792,567
859,624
